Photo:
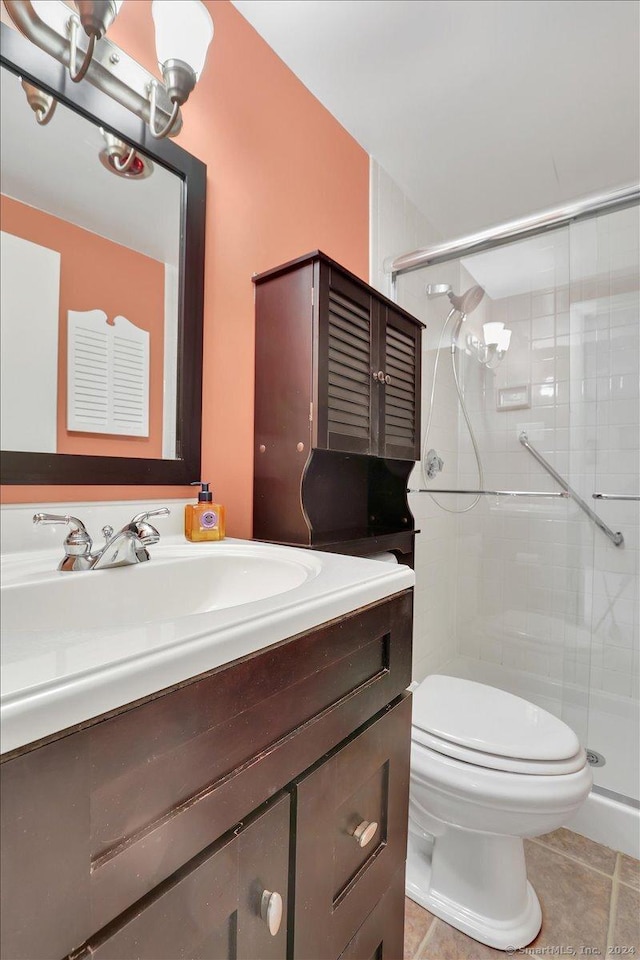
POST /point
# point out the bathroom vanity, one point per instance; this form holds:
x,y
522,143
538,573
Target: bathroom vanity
x,y
257,809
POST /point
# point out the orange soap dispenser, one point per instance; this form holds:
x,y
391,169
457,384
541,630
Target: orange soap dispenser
x,y
204,520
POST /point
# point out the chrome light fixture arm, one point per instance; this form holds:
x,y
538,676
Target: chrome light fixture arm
x,y
488,354
77,73
166,130
110,69
42,104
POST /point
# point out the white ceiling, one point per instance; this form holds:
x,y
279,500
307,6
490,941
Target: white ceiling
x,y
481,110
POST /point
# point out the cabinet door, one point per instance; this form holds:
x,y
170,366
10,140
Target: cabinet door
x,y
381,936
347,415
212,909
351,831
399,412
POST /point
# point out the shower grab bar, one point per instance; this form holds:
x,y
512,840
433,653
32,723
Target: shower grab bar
x,y
616,538
494,493
613,496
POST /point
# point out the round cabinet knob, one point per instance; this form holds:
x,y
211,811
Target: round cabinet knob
x,y
387,378
365,832
271,911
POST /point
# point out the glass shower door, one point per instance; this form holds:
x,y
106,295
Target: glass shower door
x,y
605,458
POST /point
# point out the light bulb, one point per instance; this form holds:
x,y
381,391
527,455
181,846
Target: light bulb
x,y
504,340
184,30
492,332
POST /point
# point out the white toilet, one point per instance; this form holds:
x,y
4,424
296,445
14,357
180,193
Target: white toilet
x,y
487,770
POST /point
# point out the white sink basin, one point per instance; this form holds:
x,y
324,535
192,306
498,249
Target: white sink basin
x,y
189,581
77,645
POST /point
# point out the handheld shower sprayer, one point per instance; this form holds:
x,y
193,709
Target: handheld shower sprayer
x,y
463,305
467,302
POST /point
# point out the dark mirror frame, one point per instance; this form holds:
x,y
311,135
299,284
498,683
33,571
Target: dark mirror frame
x,y
22,57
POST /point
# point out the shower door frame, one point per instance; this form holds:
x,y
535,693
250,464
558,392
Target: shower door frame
x,y
511,231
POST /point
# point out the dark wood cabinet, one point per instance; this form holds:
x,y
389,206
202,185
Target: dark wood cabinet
x,y
337,408
351,829
381,936
368,379
213,908
154,831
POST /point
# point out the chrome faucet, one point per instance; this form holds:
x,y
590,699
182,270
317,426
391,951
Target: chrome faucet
x,y
128,545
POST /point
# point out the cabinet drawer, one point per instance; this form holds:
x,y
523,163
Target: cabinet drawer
x,y
381,936
338,881
211,909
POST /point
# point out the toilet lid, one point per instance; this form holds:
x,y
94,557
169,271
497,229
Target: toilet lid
x,y
490,721
491,761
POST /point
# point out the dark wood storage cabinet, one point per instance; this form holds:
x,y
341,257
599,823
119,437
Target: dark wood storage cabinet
x,y
337,410
157,832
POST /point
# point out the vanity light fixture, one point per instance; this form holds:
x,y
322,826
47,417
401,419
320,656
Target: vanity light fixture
x,y
183,28
496,343
42,104
123,160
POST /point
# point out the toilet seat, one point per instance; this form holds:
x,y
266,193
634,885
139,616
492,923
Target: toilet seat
x,y
493,761
487,727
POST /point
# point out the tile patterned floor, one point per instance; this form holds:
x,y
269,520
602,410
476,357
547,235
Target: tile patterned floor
x,y
590,898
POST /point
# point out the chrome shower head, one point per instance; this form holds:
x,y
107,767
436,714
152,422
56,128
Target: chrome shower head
x,y
467,302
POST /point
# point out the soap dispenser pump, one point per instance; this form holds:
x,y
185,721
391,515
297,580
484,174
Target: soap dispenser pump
x,y
204,520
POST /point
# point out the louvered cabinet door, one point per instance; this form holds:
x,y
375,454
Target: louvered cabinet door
x,y
399,410
347,415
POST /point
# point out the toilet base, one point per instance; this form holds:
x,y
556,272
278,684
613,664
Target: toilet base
x,y
477,883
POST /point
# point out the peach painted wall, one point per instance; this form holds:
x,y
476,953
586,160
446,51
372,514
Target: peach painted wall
x,y
283,178
87,262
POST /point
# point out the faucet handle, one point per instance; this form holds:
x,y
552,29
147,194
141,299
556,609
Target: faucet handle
x,y
160,512
56,518
77,543
147,534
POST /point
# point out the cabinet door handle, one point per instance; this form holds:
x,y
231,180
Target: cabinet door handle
x,y
271,911
365,832
387,378
378,375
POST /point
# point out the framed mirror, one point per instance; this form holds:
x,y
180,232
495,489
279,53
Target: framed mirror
x,y
101,289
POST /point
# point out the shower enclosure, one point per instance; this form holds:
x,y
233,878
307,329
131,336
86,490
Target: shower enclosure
x,y
530,593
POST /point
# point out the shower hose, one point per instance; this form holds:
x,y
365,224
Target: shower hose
x,y
463,407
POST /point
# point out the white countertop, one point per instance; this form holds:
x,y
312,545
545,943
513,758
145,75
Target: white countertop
x,y
52,679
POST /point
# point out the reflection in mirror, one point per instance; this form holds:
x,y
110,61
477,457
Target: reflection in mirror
x,y
90,281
